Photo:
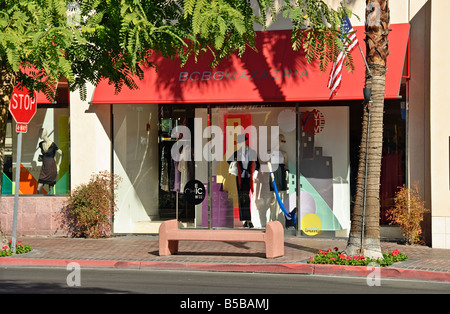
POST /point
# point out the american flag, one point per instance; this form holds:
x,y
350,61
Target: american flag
x,y
336,73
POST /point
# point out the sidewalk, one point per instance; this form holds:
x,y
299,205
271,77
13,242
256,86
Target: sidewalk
x,y
140,252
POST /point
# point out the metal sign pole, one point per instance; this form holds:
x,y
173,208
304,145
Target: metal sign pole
x,y
16,192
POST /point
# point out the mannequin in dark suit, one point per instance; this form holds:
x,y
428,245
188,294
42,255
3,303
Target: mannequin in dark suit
x,y
248,167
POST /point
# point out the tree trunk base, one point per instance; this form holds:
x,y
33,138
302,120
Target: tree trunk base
x,y
370,249
3,239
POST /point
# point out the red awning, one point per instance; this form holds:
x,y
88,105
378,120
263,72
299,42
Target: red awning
x,y
42,99
275,74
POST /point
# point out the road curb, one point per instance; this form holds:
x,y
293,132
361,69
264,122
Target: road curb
x,y
286,268
383,272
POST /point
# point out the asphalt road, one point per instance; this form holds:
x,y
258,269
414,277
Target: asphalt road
x,y
39,280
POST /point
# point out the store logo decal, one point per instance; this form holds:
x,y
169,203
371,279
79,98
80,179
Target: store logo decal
x,y
313,122
276,74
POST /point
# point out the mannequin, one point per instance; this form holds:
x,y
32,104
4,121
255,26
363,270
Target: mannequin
x,y
279,161
50,167
248,166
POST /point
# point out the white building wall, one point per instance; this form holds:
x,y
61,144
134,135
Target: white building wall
x,y
439,126
90,149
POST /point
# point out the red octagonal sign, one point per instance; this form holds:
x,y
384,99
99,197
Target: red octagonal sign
x,y
22,106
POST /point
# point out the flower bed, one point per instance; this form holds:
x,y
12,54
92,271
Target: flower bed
x,y
20,248
338,258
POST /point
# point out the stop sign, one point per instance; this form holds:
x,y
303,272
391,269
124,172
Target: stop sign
x,y
22,106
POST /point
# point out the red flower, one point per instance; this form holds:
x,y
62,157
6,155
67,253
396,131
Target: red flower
x,y
395,252
342,256
5,247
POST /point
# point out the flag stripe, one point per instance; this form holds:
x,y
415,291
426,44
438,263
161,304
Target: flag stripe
x,y
336,73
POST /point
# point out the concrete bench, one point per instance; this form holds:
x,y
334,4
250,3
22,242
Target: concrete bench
x,y
170,234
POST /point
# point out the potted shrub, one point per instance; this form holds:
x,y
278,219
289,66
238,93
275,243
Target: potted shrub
x,y
90,207
408,213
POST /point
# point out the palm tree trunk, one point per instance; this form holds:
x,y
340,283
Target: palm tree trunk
x,y
364,235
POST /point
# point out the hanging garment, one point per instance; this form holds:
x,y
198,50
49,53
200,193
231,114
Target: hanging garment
x,y
164,180
186,167
280,171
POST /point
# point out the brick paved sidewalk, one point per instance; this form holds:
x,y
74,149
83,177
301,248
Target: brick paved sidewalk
x,y
120,250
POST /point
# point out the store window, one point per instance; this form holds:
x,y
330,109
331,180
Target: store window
x,y
154,182
393,163
324,170
44,166
209,166
254,137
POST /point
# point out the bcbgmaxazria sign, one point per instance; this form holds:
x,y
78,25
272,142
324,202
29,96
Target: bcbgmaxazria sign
x,y
276,74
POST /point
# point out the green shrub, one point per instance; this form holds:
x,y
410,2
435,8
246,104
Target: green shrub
x,y
90,207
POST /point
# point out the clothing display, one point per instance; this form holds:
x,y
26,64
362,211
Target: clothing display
x,y
175,174
164,166
277,160
185,167
280,178
248,164
177,177
49,170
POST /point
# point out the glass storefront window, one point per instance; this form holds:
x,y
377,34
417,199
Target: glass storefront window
x,y
324,170
208,166
242,190
44,167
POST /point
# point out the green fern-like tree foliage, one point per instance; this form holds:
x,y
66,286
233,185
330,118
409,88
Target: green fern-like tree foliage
x,y
34,38
316,28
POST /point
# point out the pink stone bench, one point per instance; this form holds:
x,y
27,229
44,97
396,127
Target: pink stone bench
x,y
170,234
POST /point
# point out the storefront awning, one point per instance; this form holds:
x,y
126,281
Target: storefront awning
x,y
42,99
61,96
274,74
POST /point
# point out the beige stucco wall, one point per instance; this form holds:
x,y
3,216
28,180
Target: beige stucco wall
x,y
439,124
419,99
90,149
429,112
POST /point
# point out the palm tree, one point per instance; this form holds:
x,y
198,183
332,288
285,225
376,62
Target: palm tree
x,y
364,235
